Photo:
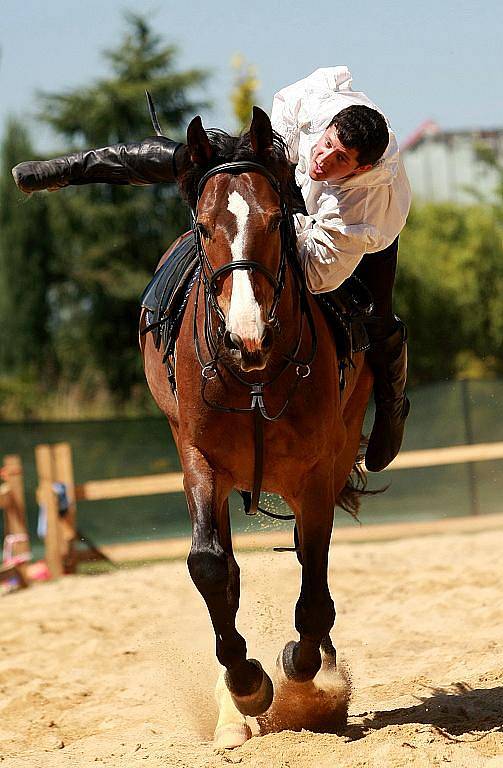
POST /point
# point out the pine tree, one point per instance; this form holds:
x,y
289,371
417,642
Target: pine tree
x,y
113,236
25,255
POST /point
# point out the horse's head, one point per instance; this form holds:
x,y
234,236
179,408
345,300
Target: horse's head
x,y
238,210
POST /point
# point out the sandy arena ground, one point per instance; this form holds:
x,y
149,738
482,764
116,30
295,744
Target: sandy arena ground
x,y
118,669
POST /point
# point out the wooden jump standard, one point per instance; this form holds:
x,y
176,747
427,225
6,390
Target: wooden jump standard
x,y
55,465
16,538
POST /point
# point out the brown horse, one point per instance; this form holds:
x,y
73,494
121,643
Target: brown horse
x,y
254,346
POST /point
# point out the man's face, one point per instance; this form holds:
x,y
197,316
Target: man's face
x,y
332,161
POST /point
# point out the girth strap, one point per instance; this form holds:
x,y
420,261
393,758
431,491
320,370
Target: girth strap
x,y
257,405
251,500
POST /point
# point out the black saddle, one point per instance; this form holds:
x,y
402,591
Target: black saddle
x,y
165,298
163,295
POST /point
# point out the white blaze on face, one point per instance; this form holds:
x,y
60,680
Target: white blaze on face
x,y
244,317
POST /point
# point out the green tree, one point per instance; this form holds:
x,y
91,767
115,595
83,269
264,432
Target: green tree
x,y
111,237
25,256
243,94
450,291
492,160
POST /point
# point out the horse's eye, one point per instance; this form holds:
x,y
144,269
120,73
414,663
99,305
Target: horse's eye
x,y
274,224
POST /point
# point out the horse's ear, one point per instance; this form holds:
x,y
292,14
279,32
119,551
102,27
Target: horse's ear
x,y
198,143
260,131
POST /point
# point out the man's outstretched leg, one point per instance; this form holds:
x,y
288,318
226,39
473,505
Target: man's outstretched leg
x,y
150,161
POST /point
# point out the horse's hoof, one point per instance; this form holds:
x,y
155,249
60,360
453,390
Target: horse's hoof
x,y
284,662
286,666
319,705
257,703
231,735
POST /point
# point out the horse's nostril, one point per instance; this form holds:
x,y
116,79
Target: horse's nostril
x,y
267,339
232,340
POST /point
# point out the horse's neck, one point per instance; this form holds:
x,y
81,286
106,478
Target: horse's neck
x,y
289,311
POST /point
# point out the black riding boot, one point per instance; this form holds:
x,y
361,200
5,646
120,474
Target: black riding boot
x,y
150,161
388,360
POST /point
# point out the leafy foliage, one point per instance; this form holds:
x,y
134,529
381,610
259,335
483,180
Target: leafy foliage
x,y
243,92
111,237
449,291
26,247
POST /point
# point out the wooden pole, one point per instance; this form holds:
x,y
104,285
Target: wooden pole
x,y
455,454
122,487
469,438
47,498
63,473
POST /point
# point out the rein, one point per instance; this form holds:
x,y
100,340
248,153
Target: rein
x,y
214,336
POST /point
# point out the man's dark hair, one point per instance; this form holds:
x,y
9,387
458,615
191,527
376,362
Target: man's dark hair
x,y
364,129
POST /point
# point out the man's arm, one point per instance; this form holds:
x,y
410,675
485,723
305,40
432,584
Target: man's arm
x,y
285,111
151,161
328,250
347,226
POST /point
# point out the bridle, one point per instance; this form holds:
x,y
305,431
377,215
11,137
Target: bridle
x,y
209,277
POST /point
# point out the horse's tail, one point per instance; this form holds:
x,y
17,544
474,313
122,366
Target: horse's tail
x,y
356,487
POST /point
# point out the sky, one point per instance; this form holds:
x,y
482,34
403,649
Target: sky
x,y
417,60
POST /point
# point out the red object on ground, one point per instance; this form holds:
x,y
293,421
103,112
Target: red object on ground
x,y
38,571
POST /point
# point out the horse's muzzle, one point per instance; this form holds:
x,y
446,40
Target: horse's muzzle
x,y
250,354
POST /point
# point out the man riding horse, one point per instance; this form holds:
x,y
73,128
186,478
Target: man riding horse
x,y
356,198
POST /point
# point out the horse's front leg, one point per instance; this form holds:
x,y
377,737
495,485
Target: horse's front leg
x,y
215,573
314,612
310,692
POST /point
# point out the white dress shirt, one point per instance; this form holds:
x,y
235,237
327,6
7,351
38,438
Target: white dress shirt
x,y
347,218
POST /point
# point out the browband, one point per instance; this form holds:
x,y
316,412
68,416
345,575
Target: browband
x,y
239,166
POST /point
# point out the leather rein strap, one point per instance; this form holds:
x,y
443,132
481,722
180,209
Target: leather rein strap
x,y
209,370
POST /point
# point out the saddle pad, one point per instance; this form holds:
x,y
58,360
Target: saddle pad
x,y
346,311
170,277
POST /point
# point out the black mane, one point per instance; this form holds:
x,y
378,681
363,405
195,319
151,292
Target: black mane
x,y
231,148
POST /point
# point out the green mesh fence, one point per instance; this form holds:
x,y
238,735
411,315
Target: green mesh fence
x,y
451,413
